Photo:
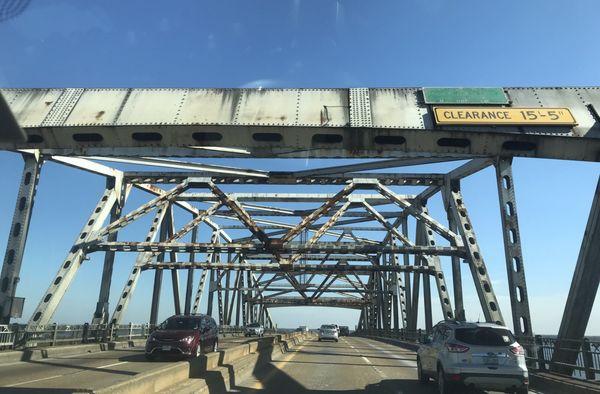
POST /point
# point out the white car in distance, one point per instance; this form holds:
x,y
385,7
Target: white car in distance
x,y
329,332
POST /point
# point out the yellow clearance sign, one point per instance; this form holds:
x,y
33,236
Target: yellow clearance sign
x,y
503,116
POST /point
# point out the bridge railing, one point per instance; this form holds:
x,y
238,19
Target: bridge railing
x,y
18,336
540,354
7,337
233,331
398,333
587,356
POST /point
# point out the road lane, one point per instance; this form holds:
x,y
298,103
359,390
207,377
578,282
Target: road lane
x,y
352,365
83,371
348,366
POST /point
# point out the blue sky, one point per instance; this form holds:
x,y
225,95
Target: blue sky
x,y
309,43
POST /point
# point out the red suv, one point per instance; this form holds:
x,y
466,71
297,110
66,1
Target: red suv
x,y
183,335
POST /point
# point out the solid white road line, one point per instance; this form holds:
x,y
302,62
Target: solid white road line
x,y
58,376
112,365
33,381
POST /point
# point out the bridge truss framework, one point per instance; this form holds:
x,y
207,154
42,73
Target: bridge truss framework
x,y
305,256
283,262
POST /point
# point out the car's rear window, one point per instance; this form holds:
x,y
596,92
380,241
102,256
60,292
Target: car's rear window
x,y
181,323
485,336
254,325
328,327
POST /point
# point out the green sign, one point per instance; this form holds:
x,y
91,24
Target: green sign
x,y
465,96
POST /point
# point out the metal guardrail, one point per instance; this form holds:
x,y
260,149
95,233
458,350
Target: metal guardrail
x,y
540,351
401,333
7,337
17,336
239,331
587,362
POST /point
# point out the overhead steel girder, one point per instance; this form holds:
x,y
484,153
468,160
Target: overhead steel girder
x,y
292,247
326,122
417,212
479,272
11,132
287,197
458,173
389,227
69,267
317,213
352,303
17,238
197,167
319,269
285,178
142,210
240,212
321,231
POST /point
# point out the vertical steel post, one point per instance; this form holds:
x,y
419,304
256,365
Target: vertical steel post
x,y
239,306
422,240
219,290
101,314
211,291
407,282
158,272
515,267
173,258
582,293
17,238
189,288
459,311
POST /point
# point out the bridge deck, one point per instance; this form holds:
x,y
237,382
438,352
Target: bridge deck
x,y
87,372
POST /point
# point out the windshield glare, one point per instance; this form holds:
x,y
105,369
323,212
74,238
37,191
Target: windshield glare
x,y
180,323
485,336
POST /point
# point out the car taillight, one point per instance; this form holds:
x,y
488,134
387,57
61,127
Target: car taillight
x,y
456,348
517,350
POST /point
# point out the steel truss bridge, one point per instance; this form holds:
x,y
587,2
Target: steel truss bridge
x,y
300,248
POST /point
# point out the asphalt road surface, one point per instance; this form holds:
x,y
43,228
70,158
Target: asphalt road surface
x,y
85,371
352,365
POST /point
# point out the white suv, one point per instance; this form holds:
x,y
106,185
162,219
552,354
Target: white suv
x,y
254,329
481,355
328,331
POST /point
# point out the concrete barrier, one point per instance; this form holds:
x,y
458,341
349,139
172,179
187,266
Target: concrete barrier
x,y
214,372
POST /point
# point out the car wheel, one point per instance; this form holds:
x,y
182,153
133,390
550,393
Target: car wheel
x,y
336,340
215,346
150,356
319,339
443,385
421,376
522,390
